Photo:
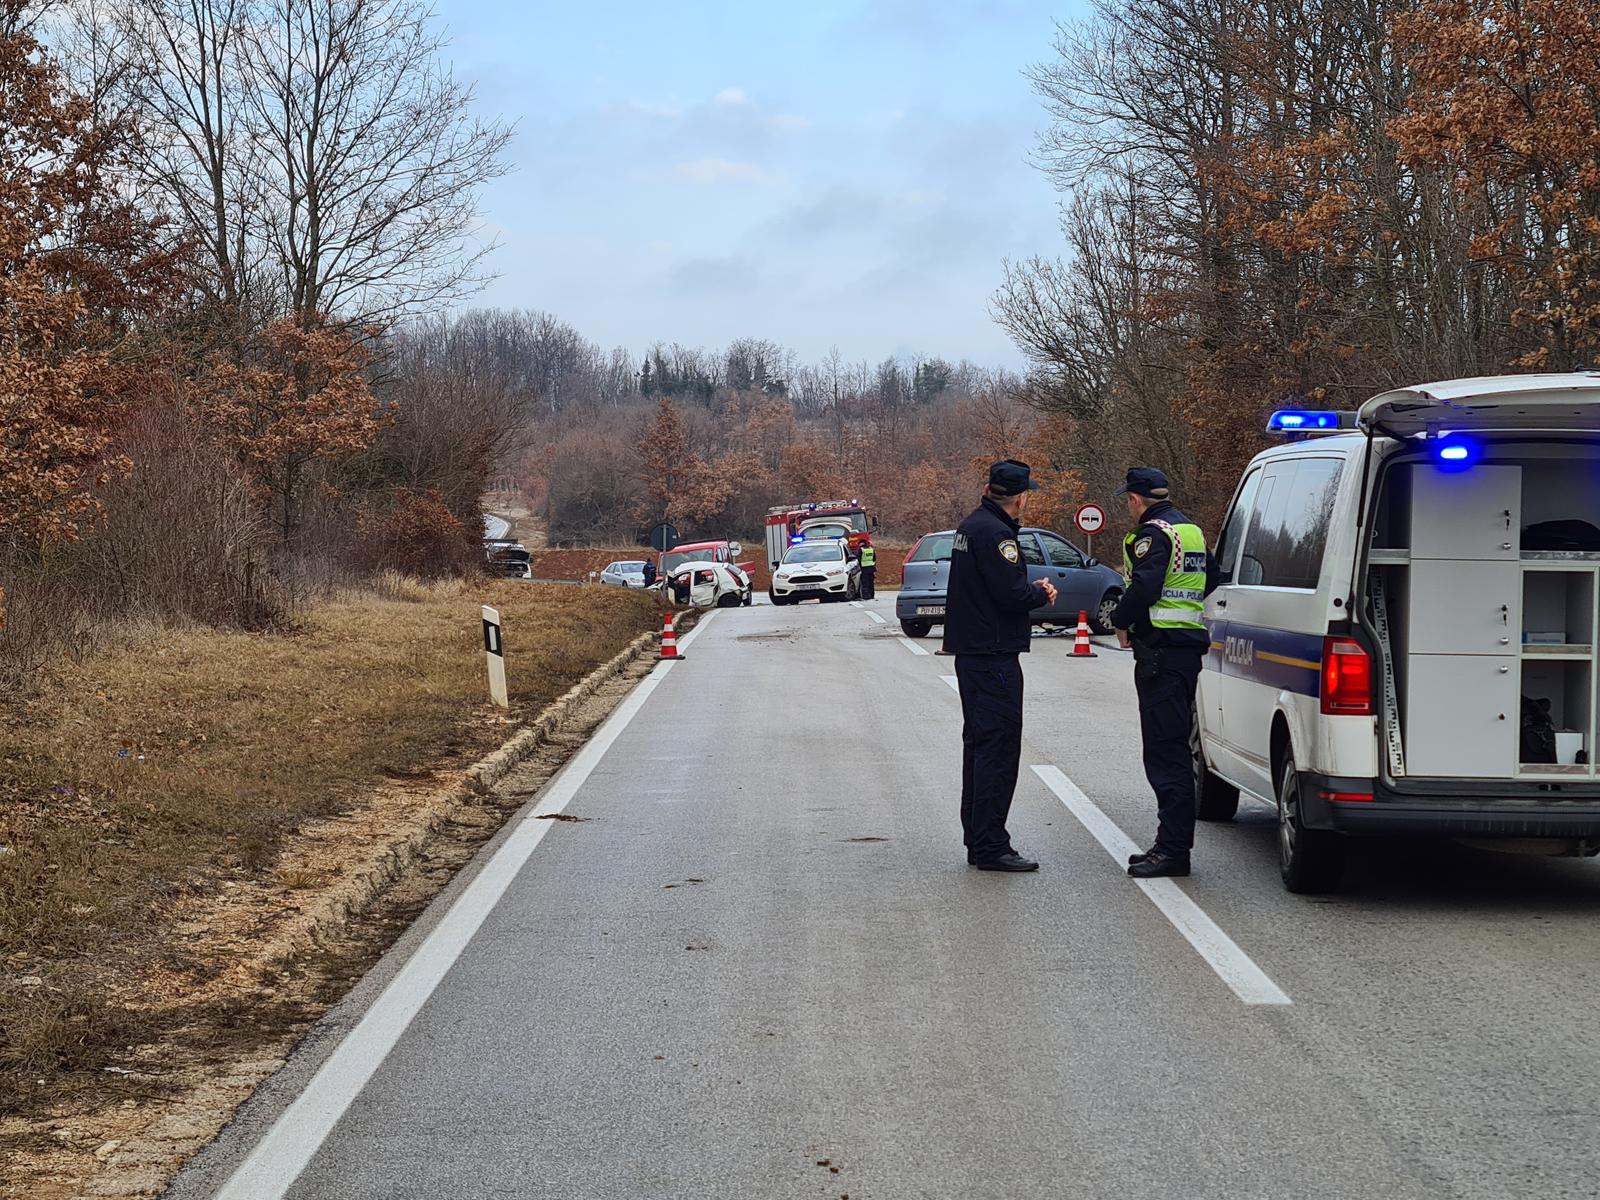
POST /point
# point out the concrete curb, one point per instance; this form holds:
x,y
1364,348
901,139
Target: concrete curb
x,y
485,773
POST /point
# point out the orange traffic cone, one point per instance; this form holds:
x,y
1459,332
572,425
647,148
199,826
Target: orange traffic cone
x,y
669,641
1080,644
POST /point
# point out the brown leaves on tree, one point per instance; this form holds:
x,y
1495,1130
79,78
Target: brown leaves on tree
x,y
1507,99
300,396
76,263
666,464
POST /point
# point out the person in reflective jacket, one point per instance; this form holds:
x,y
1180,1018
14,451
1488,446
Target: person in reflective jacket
x,y
1170,572
988,626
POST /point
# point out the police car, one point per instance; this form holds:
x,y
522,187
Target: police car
x,y
1403,639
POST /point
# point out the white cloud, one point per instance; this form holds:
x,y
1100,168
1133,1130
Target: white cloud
x,y
732,96
713,172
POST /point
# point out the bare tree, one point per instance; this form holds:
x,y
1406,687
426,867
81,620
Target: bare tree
x,y
366,157
186,83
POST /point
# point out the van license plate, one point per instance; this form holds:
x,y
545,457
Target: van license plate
x,y
930,610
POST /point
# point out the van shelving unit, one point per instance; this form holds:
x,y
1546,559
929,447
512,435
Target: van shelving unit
x,y
1477,618
1559,590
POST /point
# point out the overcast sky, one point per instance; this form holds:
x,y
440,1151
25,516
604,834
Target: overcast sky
x,y
848,172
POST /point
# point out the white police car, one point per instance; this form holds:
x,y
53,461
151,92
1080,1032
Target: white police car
x,y
820,568
1404,637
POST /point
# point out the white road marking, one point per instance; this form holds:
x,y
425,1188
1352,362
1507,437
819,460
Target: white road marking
x,y
285,1150
913,647
855,604
1235,968
955,684
872,616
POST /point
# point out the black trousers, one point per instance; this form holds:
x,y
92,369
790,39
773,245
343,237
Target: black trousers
x,y
1165,680
991,749
869,582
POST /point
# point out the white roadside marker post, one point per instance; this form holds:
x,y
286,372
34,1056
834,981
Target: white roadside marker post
x,y
495,652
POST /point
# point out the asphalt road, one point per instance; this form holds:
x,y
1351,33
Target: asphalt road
x,y
761,969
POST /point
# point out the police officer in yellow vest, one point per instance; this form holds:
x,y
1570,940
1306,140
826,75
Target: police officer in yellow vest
x,y
1169,573
869,570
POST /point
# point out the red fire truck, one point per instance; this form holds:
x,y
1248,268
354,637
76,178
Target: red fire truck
x,y
789,524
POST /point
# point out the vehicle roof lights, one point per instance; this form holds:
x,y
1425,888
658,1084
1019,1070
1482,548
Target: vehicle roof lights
x,y
1299,420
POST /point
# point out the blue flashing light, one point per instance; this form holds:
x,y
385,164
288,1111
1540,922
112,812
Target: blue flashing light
x,y
1455,453
1291,420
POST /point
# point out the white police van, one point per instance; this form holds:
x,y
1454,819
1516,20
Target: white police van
x,y
1404,637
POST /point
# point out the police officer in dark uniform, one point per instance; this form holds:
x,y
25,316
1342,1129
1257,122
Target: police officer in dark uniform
x,y
987,626
1170,572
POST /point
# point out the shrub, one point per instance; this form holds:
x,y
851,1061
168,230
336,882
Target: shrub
x,y
417,534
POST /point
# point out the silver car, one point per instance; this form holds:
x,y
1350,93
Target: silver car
x,y
626,573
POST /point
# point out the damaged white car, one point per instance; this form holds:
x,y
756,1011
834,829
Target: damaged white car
x,y
707,584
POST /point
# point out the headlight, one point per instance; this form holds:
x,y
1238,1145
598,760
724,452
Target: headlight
x,y
833,570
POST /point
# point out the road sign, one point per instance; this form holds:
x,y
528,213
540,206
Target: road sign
x,y
1091,519
664,537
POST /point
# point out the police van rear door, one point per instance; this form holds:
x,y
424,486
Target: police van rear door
x,y
1507,403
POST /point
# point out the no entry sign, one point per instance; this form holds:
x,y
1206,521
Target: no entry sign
x,y
1091,519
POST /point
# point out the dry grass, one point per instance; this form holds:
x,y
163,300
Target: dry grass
x,y
172,763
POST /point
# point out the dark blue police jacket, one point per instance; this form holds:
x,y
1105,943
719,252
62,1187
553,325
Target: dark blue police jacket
x,y
989,598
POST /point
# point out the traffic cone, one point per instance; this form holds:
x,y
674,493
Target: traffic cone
x,y
669,641
1080,644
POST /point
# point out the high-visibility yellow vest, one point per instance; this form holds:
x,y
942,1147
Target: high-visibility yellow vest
x,y
869,556
1183,591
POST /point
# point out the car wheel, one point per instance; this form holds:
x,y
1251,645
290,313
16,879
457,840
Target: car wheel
x,y
916,629
728,600
1310,860
777,600
1102,615
1214,799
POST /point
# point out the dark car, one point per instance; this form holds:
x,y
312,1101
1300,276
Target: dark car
x,y
1083,584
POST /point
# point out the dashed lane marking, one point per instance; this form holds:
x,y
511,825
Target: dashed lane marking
x,y
285,1150
1235,968
955,684
872,616
913,647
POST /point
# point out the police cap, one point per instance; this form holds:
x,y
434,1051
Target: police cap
x,y
1010,478
1147,482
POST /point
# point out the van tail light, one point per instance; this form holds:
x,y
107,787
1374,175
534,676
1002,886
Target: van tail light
x,y
1346,678
1345,797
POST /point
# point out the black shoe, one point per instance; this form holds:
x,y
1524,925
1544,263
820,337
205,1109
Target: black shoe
x,y
1157,865
1007,862
1141,856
